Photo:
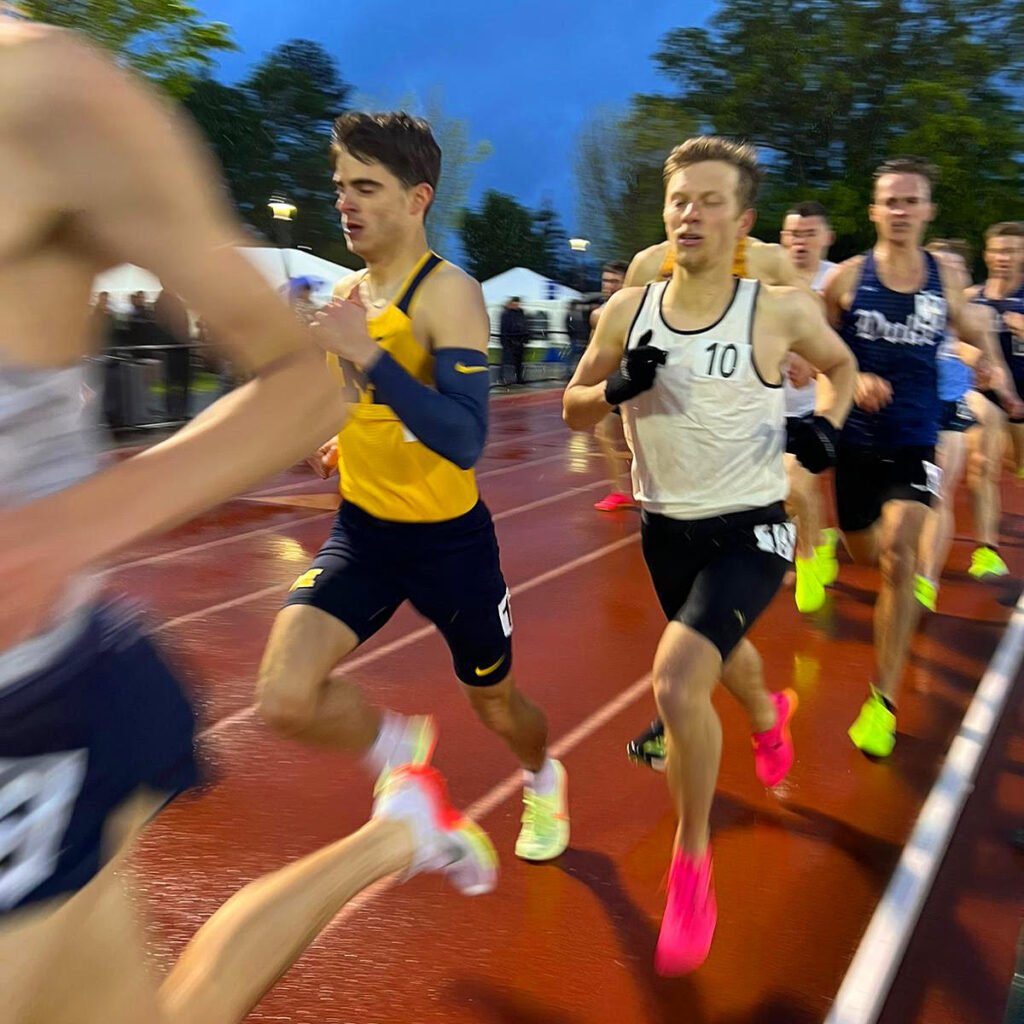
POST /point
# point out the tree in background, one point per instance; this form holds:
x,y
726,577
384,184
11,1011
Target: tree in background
x,y
618,169
505,234
497,237
552,244
166,40
299,92
458,159
829,88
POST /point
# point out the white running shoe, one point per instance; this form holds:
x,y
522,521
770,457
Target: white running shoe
x,y
446,840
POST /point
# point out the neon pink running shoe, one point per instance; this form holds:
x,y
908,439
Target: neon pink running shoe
x,y
773,749
690,916
613,502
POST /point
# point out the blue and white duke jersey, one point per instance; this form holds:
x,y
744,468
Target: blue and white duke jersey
x,y
897,336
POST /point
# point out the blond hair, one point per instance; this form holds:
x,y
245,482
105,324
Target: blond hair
x,y
702,148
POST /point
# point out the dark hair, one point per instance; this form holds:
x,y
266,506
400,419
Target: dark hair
x,y
1005,229
514,298
808,208
403,144
956,246
908,165
616,267
702,148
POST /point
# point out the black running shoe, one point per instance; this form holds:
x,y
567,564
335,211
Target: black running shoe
x,y
649,747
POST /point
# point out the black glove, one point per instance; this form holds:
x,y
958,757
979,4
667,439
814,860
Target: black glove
x,y
635,373
813,440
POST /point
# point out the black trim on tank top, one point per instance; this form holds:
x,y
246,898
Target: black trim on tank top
x,y
405,301
636,315
702,330
750,342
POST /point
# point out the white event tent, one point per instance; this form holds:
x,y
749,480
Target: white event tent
x,y
122,281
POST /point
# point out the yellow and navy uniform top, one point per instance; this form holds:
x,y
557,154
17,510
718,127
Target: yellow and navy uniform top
x,y
382,467
739,261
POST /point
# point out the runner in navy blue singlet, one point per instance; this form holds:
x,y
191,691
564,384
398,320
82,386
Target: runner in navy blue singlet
x,y
892,306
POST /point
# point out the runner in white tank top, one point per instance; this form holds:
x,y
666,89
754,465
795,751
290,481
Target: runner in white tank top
x,y
806,237
696,366
708,439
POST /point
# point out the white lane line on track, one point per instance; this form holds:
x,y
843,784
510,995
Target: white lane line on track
x,y
866,985
193,549
220,541
424,631
508,787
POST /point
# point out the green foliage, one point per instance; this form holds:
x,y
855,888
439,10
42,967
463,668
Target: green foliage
x,y
164,39
505,234
272,133
618,168
829,88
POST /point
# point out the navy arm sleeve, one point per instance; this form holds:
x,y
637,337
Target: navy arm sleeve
x,y
451,420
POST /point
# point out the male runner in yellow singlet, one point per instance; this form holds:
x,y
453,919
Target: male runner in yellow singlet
x,y
411,526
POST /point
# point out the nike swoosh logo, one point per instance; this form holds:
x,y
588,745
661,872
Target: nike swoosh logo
x,y
463,368
481,672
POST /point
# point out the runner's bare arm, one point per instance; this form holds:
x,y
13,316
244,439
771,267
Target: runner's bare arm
x,y
139,188
770,264
583,403
818,343
644,266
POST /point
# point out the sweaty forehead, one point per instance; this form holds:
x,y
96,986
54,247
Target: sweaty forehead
x,y
706,176
348,167
796,222
1004,243
900,186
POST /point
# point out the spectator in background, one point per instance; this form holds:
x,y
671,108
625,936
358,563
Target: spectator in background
x,y
170,327
101,322
303,307
577,326
514,332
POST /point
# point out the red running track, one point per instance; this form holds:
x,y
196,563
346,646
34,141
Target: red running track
x,y
798,873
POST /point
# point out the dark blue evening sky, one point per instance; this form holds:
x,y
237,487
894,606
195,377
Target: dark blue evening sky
x,y
523,75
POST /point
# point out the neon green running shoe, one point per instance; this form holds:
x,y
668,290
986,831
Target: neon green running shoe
x,y
874,732
826,565
926,592
985,562
810,594
545,831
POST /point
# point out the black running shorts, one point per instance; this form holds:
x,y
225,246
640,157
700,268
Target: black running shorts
x,y
867,478
717,575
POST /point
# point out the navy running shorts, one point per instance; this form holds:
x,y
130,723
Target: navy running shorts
x,y
956,416
109,718
449,571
